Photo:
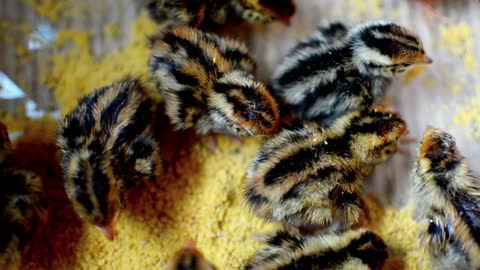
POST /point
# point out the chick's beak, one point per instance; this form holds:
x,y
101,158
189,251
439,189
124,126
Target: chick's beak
x,y
108,231
190,243
426,60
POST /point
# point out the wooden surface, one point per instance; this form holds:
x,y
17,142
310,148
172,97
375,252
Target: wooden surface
x,y
428,100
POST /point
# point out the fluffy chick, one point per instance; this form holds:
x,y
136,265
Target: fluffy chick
x,y
189,258
108,144
213,12
448,203
338,70
207,84
311,177
353,249
22,209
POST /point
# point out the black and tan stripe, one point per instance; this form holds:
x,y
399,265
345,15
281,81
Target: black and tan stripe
x,y
114,124
357,248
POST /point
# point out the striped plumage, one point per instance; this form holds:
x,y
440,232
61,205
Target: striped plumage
x,y
311,177
205,13
448,203
207,84
22,210
189,258
337,70
108,143
353,249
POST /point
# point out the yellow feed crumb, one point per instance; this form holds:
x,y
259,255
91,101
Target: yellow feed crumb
x,y
457,88
51,9
362,8
399,231
71,75
459,42
110,31
469,116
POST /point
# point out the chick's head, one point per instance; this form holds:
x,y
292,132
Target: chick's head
x,y
189,258
22,198
93,189
282,10
388,46
376,135
438,150
244,105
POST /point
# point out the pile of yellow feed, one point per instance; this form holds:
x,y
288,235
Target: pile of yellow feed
x,y
199,197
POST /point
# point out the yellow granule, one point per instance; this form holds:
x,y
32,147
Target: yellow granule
x,y
111,31
78,73
469,116
361,8
400,231
459,42
51,9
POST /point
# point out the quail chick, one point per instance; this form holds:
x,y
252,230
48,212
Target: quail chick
x,y
205,13
189,258
353,249
5,144
22,210
108,144
207,84
311,177
448,203
338,70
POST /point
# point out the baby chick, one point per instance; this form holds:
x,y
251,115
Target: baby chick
x,y
22,209
108,144
338,70
448,203
353,249
311,177
189,258
207,84
5,144
213,12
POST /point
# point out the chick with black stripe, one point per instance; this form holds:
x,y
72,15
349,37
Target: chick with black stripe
x,y
189,258
22,210
338,70
108,144
208,13
22,205
207,84
352,249
311,177
448,203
